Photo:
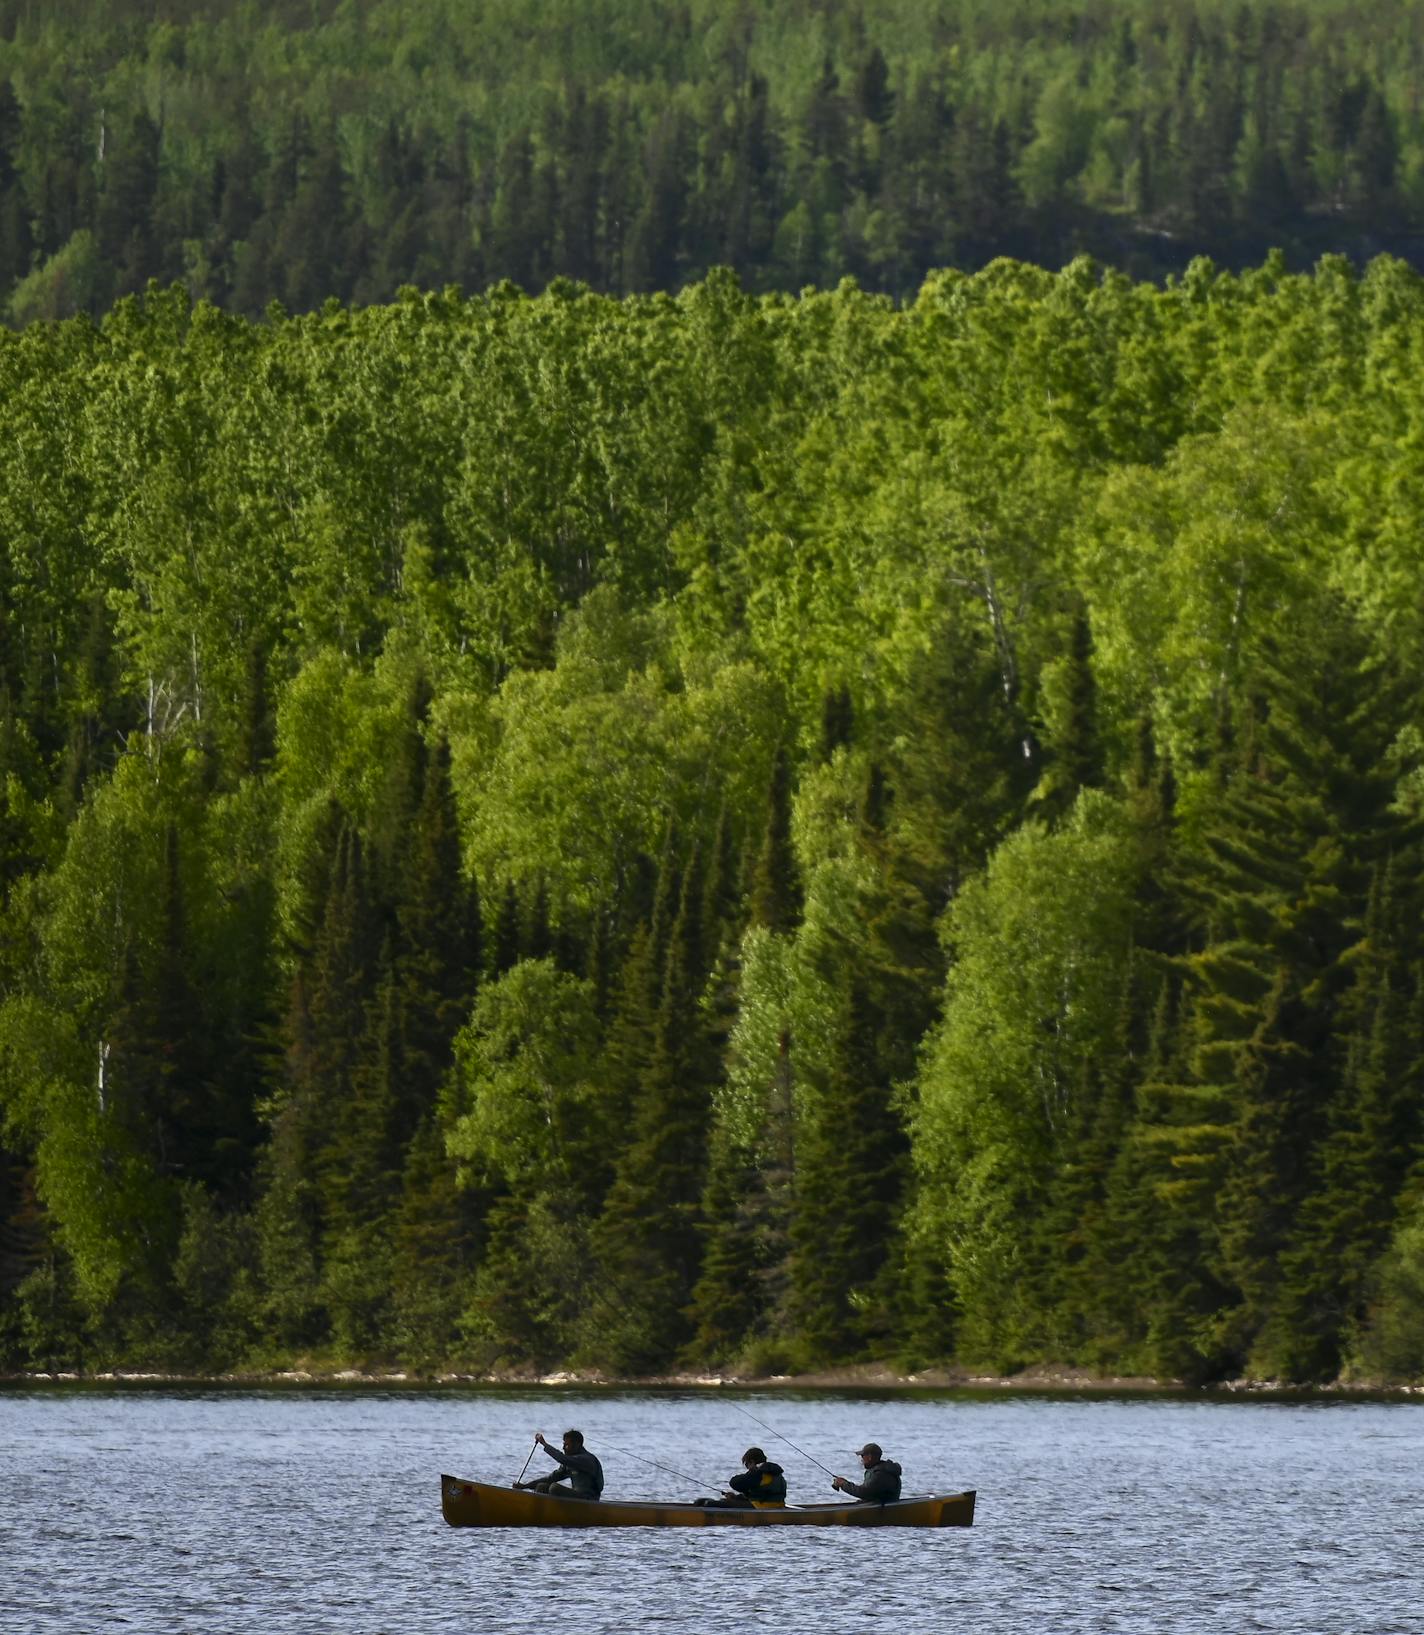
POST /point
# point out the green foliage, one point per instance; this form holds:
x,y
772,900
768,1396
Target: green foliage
x,y
533,1126
1039,947
832,830
1391,1345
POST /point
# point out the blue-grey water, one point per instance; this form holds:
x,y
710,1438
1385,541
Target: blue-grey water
x,y
280,1511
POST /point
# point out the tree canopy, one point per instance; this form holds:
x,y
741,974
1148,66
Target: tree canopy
x,y
833,829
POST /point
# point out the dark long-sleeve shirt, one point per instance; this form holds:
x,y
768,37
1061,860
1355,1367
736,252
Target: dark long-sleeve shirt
x,y
765,1483
881,1484
583,1470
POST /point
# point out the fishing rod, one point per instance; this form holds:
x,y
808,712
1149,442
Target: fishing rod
x,y
667,1470
780,1438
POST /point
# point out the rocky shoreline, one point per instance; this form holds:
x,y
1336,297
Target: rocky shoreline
x,y
865,1378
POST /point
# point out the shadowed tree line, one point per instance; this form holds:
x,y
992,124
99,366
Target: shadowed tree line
x,y
264,152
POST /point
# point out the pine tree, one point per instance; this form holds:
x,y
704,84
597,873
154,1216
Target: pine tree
x,y
1282,882
647,1239
1063,1292
1076,756
850,1177
124,217
506,939
257,727
538,940
775,894
874,100
439,947
366,1151
1374,1129
23,1245
433,1248
633,1028
305,1207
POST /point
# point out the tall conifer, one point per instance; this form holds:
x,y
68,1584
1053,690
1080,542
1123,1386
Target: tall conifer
x,y
647,1239
775,896
850,1176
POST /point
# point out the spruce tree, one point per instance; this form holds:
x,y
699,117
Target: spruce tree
x,y
1075,759
438,948
851,1163
728,1300
647,1239
727,1304
538,940
1282,883
1060,1288
957,769
257,727
506,938
775,894
365,1154
722,907
1374,1128
433,1247
632,1031
304,1173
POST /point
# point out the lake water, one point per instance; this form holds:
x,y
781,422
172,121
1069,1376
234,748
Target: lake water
x,y
279,1511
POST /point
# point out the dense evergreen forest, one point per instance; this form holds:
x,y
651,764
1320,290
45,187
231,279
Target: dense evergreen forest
x,y
719,829
299,149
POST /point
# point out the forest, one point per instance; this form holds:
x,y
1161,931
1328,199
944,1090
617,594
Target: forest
x,y
294,150
719,830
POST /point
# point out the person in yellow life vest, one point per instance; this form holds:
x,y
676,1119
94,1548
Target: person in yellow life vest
x,y
759,1485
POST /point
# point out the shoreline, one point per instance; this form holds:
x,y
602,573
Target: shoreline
x,y
1028,1382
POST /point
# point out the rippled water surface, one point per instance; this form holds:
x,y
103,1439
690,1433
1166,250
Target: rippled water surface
x,y
284,1511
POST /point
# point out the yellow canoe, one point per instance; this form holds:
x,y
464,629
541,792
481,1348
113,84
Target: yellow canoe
x,y
477,1504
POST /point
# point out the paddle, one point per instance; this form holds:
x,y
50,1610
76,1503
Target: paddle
x,y
527,1457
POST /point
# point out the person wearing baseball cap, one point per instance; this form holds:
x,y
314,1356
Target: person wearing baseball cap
x,y
882,1478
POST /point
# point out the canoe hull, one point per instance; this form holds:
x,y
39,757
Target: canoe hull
x,y
477,1504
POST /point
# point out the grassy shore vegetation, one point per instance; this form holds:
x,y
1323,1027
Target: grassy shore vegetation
x,y
719,829
297,149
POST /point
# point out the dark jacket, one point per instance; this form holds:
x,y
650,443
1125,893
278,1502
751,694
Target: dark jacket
x,y
881,1484
765,1483
583,1470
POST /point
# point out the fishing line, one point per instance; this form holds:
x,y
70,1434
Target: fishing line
x,y
780,1438
667,1470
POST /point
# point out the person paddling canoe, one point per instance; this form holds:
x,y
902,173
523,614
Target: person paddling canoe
x,y
882,1478
577,1466
760,1485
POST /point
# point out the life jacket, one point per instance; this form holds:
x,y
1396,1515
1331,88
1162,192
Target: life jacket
x,y
770,1490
